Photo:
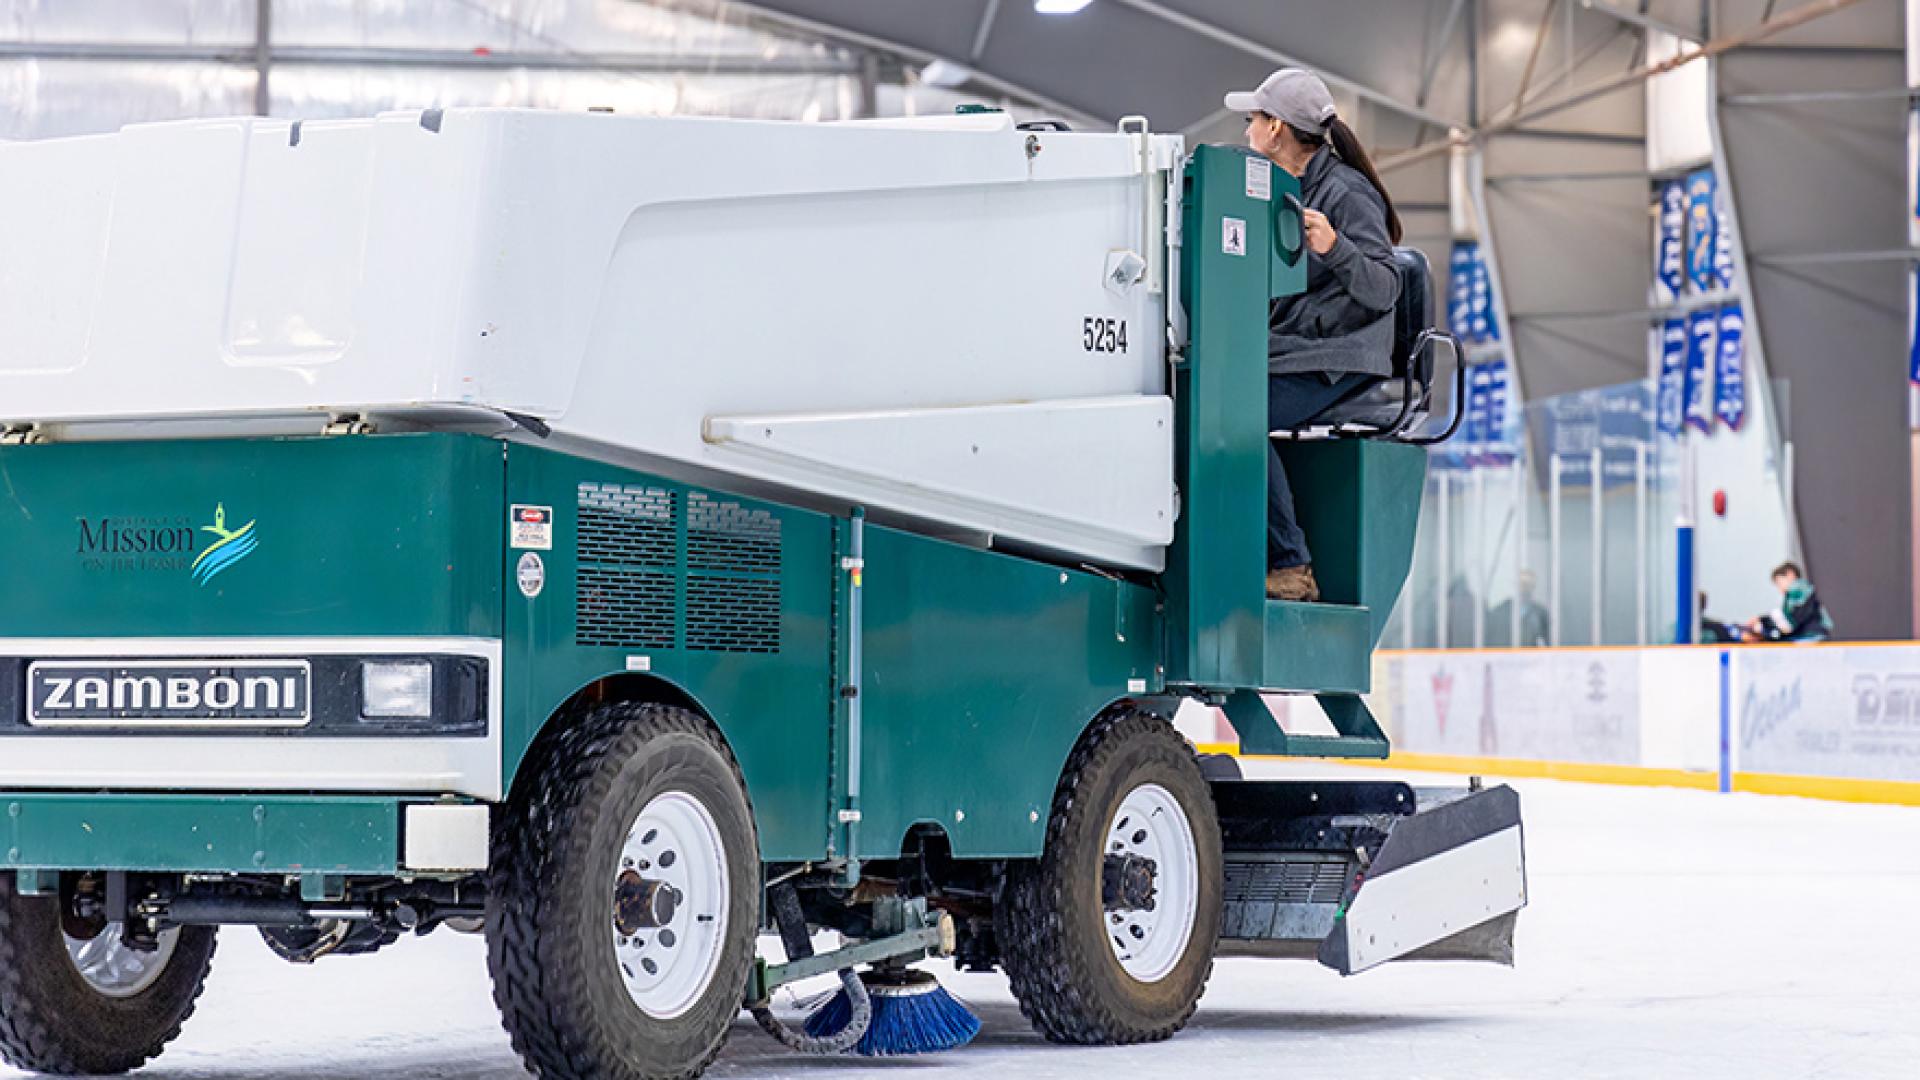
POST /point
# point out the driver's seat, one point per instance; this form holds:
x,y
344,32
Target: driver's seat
x,y
1392,407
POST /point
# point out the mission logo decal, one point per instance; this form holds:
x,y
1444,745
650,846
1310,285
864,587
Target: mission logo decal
x,y
165,544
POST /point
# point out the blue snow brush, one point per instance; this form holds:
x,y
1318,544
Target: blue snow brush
x,y
912,1014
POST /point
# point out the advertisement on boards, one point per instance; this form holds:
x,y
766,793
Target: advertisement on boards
x,y
1850,711
1579,706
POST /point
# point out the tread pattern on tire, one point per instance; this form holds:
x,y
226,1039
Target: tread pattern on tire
x,y
1042,961
34,1033
564,775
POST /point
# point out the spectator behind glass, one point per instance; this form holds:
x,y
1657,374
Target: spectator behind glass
x,y
1800,616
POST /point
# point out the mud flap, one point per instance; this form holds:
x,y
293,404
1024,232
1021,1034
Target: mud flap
x,y
1447,883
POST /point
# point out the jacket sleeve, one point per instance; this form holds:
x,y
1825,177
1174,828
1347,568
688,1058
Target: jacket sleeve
x,y
1362,256
1802,617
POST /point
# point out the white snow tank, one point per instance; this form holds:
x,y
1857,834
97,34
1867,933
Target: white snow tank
x,y
954,321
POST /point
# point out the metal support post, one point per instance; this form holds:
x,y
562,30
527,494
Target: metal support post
x,y
262,57
1599,522
1684,600
1443,580
1640,541
1553,550
1522,542
1478,554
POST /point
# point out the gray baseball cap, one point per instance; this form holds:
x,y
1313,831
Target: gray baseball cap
x,y
1293,95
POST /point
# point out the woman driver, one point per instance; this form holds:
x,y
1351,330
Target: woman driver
x,y
1335,338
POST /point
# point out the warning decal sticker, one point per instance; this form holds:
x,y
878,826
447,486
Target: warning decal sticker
x,y
530,527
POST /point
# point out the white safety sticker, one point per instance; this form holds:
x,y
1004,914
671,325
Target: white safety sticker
x,y
1233,236
531,527
1260,179
532,575
639,663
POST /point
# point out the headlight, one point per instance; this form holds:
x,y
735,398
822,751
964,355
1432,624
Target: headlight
x,y
397,690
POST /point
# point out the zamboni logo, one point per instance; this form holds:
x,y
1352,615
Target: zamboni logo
x,y
231,546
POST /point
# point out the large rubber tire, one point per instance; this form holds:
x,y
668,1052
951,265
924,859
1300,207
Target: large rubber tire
x,y
53,1021
560,990
1051,920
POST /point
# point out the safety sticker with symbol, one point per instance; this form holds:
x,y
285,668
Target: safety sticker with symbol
x,y
1233,236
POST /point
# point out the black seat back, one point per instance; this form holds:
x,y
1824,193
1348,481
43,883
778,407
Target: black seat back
x,y
1412,315
1394,406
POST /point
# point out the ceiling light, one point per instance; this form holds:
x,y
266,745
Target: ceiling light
x,y
1059,7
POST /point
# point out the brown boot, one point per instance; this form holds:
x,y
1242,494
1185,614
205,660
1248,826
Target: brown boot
x,y
1293,583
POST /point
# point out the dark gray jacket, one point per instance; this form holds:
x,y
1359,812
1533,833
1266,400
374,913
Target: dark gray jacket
x,y
1344,321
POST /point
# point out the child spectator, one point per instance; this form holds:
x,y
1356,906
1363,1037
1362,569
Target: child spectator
x,y
1800,616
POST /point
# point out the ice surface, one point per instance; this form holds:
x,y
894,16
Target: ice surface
x,y
1671,934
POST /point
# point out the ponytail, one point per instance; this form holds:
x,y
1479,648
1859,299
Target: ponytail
x,y
1347,145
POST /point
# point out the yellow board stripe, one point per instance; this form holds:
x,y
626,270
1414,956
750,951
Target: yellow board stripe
x,y
1895,792
1838,789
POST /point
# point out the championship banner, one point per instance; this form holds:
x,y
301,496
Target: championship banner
x,y
1484,329
1673,375
1479,411
1460,292
1699,381
1702,230
1670,243
1722,240
1499,401
1730,376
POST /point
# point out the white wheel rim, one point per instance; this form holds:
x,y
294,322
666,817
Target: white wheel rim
x,y
1151,824
112,968
674,843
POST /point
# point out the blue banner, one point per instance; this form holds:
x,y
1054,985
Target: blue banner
x,y
1701,326
1702,230
1730,378
1479,411
1500,449
1460,292
1722,242
1670,252
1485,327
1673,375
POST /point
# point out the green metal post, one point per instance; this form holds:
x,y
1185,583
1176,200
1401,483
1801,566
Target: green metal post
x,y
1218,562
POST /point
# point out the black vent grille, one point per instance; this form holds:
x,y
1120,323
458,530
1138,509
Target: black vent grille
x,y
729,537
631,525
1307,880
625,608
634,580
726,614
